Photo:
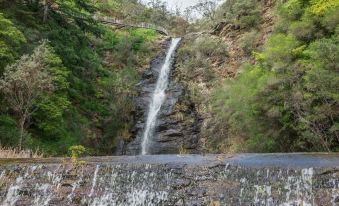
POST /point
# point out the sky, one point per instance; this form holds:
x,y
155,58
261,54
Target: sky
x,y
183,4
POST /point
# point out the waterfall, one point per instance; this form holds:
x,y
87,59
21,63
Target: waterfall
x,y
158,97
163,180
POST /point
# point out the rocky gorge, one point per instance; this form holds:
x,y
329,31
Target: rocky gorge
x,y
173,133
188,121
175,147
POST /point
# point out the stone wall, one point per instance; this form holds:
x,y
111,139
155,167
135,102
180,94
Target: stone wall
x,y
282,179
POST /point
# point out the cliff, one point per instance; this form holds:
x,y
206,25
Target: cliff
x,y
208,58
232,35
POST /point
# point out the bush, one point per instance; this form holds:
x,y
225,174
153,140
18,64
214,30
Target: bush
x,y
247,22
196,56
279,51
248,41
320,7
303,30
76,152
10,152
11,39
331,21
207,47
292,9
321,95
246,13
9,133
236,103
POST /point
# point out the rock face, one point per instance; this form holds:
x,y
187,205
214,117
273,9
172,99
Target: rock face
x,y
202,83
231,34
168,180
172,134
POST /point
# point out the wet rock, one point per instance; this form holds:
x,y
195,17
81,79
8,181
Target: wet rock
x,y
195,203
180,183
198,192
167,180
171,134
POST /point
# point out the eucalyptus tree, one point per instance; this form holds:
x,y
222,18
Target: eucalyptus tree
x,y
25,82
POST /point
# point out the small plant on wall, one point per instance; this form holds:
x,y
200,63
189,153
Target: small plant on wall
x,y
76,152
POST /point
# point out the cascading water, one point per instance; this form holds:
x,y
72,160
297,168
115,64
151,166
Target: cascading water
x,y
167,180
158,97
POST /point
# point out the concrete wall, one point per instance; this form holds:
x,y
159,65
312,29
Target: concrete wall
x,y
282,179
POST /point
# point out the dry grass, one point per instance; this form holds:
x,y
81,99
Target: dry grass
x,y
16,153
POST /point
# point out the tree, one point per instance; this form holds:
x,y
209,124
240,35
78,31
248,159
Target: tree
x,y
79,11
159,12
24,83
206,8
10,40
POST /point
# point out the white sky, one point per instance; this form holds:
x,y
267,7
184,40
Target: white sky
x,y
183,4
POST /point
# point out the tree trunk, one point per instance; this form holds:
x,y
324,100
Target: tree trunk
x,y
45,11
22,131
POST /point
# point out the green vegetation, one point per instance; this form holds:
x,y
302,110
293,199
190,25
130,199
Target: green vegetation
x,y
155,12
288,100
66,79
200,62
196,59
243,14
248,41
11,40
31,84
201,53
76,152
77,87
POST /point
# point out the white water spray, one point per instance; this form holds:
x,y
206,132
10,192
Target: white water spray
x,y
94,181
158,97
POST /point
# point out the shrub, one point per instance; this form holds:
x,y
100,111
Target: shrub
x,y
320,7
248,41
76,152
246,22
9,152
321,82
11,40
209,47
244,13
331,21
292,9
303,30
196,56
278,51
235,102
9,133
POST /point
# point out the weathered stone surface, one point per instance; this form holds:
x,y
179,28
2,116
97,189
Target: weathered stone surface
x,y
167,180
145,89
171,134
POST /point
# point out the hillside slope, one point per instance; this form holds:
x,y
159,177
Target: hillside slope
x,y
85,72
264,77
